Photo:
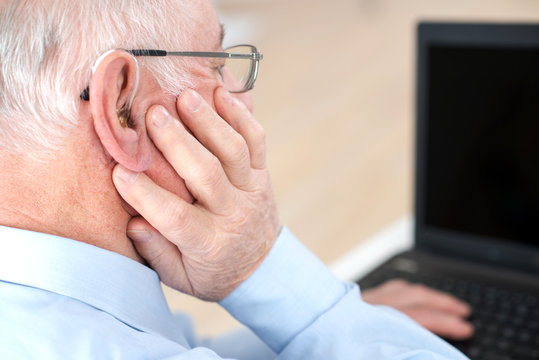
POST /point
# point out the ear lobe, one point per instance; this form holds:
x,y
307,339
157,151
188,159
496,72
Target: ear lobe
x,y
113,85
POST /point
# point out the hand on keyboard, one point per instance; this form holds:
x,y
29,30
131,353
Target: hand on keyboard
x,y
438,312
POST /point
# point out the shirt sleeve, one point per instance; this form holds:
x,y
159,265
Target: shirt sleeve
x,y
300,310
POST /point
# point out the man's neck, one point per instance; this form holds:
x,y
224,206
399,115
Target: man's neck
x,y
65,196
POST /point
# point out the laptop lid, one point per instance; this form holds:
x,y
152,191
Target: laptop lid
x,y
477,159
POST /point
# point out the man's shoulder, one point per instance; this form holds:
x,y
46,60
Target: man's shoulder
x,y
36,323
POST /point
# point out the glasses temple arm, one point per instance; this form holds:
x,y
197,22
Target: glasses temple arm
x,y
85,95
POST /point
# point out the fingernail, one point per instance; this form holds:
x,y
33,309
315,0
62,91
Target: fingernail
x,y
125,175
192,100
139,235
160,116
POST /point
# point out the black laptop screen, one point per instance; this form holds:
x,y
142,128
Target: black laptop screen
x,y
482,161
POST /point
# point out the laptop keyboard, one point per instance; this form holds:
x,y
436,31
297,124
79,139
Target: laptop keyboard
x,y
506,322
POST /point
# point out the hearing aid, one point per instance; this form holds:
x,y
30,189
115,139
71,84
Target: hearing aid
x,y
124,113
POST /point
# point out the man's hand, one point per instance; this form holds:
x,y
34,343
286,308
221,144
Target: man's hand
x,y
207,248
438,312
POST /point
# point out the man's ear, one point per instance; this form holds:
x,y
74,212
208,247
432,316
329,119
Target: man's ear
x,y
122,133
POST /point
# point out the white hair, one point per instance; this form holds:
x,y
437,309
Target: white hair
x,y
48,47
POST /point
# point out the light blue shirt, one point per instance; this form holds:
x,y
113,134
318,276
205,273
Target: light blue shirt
x,y
64,299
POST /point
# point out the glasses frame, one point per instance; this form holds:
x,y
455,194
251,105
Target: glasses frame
x,y
254,56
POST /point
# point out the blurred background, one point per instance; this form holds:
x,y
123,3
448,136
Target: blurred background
x,y
335,94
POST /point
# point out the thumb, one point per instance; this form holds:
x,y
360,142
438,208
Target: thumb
x,y
162,255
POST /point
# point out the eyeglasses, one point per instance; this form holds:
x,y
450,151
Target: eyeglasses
x,y
238,72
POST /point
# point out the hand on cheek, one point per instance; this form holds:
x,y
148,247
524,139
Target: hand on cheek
x,y
207,248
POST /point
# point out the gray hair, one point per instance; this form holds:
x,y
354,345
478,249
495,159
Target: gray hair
x,y
48,47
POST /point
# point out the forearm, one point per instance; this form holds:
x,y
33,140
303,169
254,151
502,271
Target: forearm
x,y
297,307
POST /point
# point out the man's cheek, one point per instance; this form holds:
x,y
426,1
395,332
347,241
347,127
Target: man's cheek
x,y
164,175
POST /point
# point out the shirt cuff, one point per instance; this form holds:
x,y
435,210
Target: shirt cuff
x,y
287,293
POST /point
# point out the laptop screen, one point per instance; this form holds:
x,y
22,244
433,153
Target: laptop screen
x,y
483,141
479,176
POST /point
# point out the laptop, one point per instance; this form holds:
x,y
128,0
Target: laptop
x,y
477,181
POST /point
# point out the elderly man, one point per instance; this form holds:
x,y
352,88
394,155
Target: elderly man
x,y
84,121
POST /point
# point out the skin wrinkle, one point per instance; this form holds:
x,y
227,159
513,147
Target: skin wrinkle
x,y
23,214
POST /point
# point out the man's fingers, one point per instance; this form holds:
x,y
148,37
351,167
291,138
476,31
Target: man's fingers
x,y
450,304
437,311
178,220
438,300
162,255
201,170
217,136
241,119
401,294
445,325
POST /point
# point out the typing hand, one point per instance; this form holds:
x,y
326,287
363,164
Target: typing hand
x,y
438,312
208,247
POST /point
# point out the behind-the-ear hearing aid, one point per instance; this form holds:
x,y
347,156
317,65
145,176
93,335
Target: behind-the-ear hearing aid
x,y
124,113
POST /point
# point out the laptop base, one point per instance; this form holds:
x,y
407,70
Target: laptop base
x,y
505,307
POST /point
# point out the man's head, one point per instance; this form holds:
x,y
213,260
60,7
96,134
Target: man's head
x,y
48,48
53,49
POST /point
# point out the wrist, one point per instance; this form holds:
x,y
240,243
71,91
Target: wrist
x,y
286,293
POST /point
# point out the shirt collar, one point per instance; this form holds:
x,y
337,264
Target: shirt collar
x,y
122,287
